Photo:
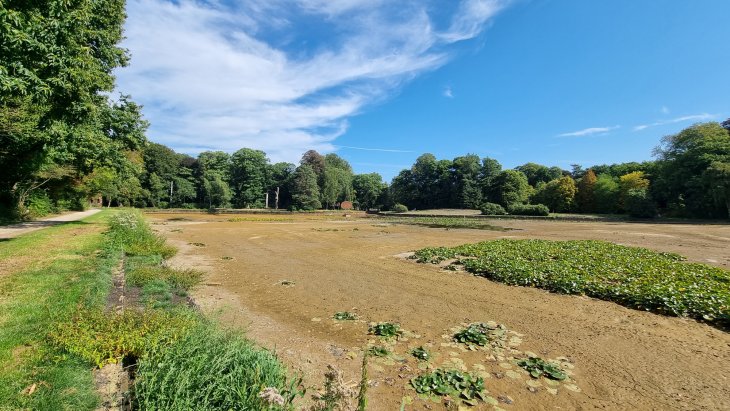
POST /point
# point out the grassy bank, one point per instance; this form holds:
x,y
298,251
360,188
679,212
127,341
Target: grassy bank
x,y
631,276
45,277
56,326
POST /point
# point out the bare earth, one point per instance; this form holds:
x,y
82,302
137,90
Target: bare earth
x,y
620,358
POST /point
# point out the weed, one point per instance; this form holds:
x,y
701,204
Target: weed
x,y
345,316
378,351
421,353
455,384
538,367
475,334
387,330
184,279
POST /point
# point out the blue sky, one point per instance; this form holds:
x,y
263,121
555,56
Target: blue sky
x,y
550,81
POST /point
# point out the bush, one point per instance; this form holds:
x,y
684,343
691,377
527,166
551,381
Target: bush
x,y
493,209
39,204
529,209
210,369
182,279
400,208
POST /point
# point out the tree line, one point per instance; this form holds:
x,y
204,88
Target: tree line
x,y
63,140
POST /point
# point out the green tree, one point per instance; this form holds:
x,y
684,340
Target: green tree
x,y
56,63
558,195
489,171
305,191
510,187
368,189
217,192
585,197
537,173
684,161
717,178
606,193
249,177
466,174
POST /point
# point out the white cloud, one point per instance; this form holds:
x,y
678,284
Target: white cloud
x,y
694,117
448,92
210,77
589,131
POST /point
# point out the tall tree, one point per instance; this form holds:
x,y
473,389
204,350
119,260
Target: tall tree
x,y
585,197
685,159
249,177
510,187
56,63
606,193
368,189
305,191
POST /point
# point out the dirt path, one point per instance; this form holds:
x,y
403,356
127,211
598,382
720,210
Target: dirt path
x,y
14,230
622,358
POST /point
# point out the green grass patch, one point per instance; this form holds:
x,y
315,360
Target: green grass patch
x,y
59,269
129,231
104,338
210,369
631,276
183,279
378,351
455,384
446,222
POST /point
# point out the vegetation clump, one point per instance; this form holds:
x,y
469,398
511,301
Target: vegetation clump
x,y
387,330
631,276
400,208
539,210
538,367
421,353
378,351
480,334
345,316
210,369
493,209
453,383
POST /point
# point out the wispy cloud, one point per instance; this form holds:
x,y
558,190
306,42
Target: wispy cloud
x,y
448,92
212,75
694,117
665,110
387,150
589,131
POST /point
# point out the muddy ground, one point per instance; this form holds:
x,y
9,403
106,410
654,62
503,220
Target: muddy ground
x,y
281,278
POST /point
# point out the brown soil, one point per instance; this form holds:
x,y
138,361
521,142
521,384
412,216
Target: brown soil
x,y
620,358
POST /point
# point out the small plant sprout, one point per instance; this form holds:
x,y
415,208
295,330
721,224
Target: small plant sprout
x,y
345,316
538,367
387,330
421,353
378,351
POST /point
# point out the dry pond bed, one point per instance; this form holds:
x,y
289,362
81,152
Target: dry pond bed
x,y
283,278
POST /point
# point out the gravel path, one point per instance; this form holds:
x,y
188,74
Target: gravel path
x,y
12,231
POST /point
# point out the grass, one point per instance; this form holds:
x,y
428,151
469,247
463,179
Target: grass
x,y
60,272
631,276
209,369
445,222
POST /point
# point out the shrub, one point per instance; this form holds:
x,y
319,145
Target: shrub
x,y
493,209
529,209
209,369
453,383
39,204
400,208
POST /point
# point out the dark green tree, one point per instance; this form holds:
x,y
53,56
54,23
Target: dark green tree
x,y
510,187
368,189
305,191
249,177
